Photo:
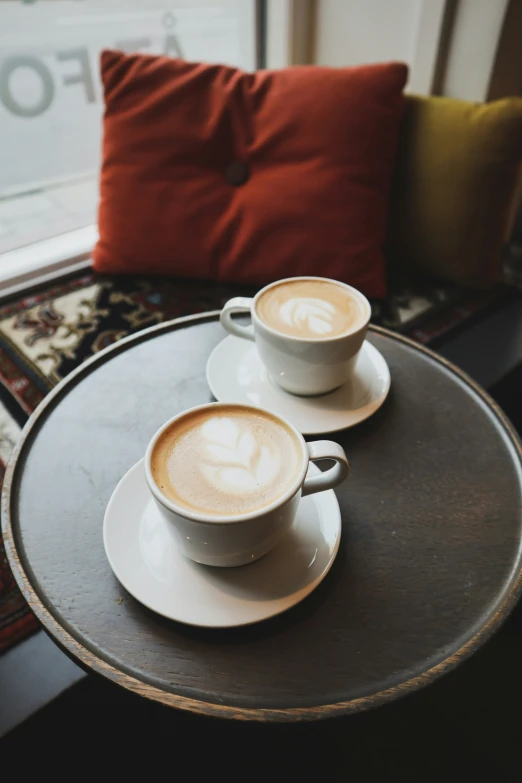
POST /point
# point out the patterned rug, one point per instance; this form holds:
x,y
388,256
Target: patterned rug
x,y
46,334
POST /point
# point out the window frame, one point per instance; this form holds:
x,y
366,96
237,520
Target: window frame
x,y
46,260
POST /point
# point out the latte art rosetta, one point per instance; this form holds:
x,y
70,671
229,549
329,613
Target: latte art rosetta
x,y
316,314
234,460
311,308
228,461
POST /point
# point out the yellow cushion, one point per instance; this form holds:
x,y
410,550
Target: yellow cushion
x,y
456,187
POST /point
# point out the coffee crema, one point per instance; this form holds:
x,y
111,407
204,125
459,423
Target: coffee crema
x,y
314,309
226,462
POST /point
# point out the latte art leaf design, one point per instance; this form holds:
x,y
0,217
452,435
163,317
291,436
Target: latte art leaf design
x,y
233,460
316,314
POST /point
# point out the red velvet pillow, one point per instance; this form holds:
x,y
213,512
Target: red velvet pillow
x,y
216,173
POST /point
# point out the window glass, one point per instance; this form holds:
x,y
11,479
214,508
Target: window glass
x,y
51,97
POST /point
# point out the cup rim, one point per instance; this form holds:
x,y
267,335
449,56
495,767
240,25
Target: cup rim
x,y
194,516
315,340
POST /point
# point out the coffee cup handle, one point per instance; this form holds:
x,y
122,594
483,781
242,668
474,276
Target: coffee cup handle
x,y
239,304
326,449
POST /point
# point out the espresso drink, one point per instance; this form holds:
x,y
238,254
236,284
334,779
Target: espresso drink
x,y
314,309
228,461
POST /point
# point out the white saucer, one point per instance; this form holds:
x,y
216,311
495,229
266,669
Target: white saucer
x,y
235,373
149,566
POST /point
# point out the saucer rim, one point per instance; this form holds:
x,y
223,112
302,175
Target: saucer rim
x,y
372,407
302,594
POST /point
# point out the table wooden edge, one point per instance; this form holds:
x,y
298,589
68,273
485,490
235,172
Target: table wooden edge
x,y
90,661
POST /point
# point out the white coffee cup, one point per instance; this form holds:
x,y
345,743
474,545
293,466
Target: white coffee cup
x,y
301,365
236,540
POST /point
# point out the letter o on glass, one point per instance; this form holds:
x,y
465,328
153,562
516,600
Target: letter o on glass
x,y
24,61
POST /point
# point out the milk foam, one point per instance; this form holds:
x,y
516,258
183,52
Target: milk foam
x,y
226,462
234,459
315,314
314,309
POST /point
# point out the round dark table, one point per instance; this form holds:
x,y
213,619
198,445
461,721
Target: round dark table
x,y
429,563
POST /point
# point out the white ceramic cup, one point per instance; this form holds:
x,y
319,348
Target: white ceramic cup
x,y
218,540
300,365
